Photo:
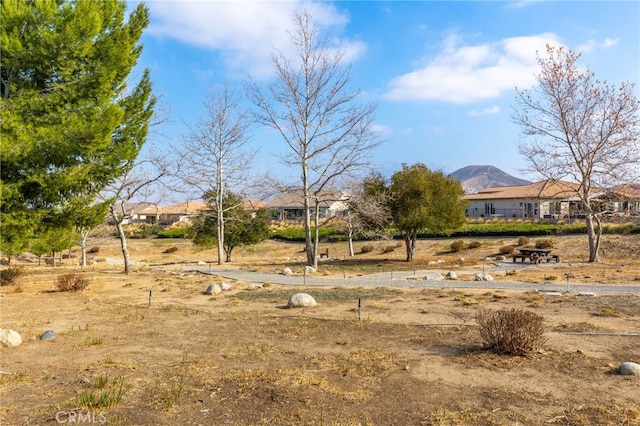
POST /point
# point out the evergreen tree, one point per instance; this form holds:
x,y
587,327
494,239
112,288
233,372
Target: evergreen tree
x,y
70,122
242,226
425,200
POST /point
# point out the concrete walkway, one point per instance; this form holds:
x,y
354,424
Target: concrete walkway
x,y
399,279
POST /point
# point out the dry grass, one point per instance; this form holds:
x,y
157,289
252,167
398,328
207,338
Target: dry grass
x,y
237,358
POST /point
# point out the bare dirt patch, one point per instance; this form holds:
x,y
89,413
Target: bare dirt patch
x,y
238,358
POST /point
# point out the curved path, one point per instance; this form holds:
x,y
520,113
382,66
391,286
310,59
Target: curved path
x,y
399,279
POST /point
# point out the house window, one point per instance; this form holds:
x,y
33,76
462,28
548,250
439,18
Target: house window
x,y
489,209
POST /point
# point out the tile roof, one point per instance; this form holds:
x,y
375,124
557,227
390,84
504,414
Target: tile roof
x,y
546,189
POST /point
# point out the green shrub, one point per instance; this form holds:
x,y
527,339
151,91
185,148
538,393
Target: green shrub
x,y
544,243
511,331
71,282
457,246
475,244
507,250
523,240
173,233
11,275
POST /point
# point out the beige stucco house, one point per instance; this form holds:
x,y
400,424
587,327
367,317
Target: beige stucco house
x,y
290,205
545,199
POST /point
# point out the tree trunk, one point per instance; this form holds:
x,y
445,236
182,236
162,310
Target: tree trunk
x,y
123,246
410,243
350,234
220,234
594,233
228,251
316,236
53,258
83,247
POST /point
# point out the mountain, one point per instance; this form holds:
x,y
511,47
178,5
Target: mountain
x,y
477,178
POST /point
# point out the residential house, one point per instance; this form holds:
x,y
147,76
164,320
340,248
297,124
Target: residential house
x,y
181,212
621,199
135,212
290,205
545,199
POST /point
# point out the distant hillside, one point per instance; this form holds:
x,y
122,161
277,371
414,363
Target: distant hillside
x,y
477,178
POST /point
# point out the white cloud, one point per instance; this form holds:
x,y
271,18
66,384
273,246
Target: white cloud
x,y
485,111
465,74
245,34
591,45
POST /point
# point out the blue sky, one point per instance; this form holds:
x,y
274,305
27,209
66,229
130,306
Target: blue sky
x,y
443,73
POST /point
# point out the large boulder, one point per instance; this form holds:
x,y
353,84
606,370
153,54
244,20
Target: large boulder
x,y
301,300
10,337
629,368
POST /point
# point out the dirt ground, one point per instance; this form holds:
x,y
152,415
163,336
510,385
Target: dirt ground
x,y
408,356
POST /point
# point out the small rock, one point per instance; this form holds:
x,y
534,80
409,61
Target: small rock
x,y
225,286
501,258
212,289
202,263
287,271
301,300
483,276
47,335
255,285
10,337
433,276
587,293
629,368
452,275
309,270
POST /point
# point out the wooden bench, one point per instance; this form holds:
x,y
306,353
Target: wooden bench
x,y
324,254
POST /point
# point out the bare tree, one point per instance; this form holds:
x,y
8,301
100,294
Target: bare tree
x,y
216,155
329,135
368,213
581,129
135,184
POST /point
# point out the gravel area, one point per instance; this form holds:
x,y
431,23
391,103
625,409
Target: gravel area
x,y
400,279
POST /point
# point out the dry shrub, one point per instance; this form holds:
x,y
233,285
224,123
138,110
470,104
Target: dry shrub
x,y
457,246
523,241
388,249
11,275
71,282
544,243
93,250
475,244
171,249
366,249
507,250
511,331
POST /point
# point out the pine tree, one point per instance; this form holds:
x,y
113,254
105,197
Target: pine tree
x,y
70,122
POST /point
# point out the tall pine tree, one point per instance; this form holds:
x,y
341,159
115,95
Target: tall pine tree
x,y
70,120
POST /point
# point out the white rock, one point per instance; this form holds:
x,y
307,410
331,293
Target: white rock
x,y
287,271
483,276
433,276
452,275
501,258
10,337
301,300
309,270
225,286
213,289
202,263
254,286
629,368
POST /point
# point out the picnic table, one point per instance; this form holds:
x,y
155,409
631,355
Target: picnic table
x,y
535,255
